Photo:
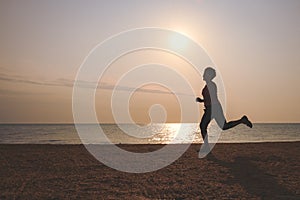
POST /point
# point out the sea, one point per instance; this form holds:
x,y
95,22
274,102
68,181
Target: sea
x,y
138,134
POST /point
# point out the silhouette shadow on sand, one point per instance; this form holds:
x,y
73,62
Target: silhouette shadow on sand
x,y
254,180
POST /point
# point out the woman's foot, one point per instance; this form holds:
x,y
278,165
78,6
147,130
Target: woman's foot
x,y
246,121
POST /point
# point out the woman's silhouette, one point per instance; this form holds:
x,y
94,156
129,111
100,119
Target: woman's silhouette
x,y
213,108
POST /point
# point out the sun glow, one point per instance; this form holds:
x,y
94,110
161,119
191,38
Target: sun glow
x,y
179,40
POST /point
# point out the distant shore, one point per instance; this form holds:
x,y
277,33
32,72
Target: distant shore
x,y
231,171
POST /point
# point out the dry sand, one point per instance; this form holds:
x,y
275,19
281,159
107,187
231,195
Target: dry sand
x,y
232,171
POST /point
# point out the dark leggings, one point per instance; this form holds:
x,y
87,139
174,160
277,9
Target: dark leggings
x,y
218,115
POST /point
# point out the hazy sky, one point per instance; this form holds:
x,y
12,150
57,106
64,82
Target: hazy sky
x,y
255,45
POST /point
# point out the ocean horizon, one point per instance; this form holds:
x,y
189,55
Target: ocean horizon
x,y
160,133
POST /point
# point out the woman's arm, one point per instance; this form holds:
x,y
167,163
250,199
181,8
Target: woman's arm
x,y
198,99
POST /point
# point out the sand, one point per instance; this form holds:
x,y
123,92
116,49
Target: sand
x,y
232,171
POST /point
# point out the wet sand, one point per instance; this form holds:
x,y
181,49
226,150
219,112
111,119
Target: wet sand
x,y
231,171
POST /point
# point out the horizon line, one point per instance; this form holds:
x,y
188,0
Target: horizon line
x,y
111,123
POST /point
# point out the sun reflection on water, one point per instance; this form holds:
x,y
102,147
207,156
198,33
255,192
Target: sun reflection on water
x,y
175,133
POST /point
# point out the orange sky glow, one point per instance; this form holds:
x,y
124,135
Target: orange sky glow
x,y
254,44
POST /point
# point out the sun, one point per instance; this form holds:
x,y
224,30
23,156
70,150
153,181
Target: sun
x,y
179,39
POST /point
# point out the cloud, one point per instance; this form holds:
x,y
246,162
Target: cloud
x,y
62,82
21,79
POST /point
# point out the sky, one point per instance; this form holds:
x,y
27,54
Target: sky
x,y
254,44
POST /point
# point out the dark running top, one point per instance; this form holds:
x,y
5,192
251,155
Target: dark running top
x,y
209,94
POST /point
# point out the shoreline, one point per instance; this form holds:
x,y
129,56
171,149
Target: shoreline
x,y
231,171
256,142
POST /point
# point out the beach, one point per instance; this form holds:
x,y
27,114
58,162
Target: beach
x,y
231,171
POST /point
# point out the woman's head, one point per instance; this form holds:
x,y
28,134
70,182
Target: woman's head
x,y
209,74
